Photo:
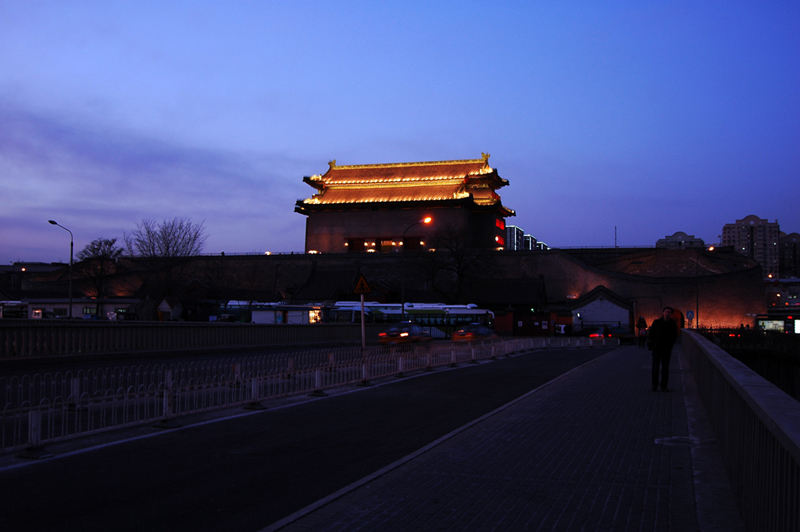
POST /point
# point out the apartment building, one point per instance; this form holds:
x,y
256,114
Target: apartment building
x,y
757,239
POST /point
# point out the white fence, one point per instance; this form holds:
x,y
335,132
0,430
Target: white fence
x,y
52,407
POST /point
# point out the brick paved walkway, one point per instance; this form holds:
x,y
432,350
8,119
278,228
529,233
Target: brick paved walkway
x,y
593,450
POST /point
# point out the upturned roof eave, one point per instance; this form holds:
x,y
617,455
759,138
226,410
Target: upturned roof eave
x,y
305,208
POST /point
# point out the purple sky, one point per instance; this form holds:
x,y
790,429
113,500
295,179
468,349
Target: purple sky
x,y
657,118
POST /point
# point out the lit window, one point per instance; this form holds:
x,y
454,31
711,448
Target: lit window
x,y
500,223
500,240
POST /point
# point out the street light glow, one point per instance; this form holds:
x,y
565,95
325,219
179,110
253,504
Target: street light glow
x,y
425,221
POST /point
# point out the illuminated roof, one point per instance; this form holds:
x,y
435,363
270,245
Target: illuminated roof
x,y
407,182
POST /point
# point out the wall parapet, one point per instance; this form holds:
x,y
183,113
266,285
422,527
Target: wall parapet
x,y
21,341
757,426
46,338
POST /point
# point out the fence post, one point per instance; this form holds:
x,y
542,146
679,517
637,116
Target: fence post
x,y
255,393
453,357
317,385
35,451
167,422
400,367
365,373
237,376
74,397
35,428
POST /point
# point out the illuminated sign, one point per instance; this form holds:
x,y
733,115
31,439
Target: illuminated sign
x,y
771,325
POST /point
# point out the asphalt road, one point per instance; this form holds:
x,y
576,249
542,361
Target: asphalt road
x,y
244,473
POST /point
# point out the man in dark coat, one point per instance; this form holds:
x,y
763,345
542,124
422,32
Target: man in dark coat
x,y
661,338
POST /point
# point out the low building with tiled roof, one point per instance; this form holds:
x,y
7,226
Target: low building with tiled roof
x,y
375,207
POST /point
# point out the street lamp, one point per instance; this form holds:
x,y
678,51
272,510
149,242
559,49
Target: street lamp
x,y
424,221
71,247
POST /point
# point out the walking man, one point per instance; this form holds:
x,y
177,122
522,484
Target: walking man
x,y
662,336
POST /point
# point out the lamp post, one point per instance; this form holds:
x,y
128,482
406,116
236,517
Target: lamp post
x,y
71,247
697,291
425,221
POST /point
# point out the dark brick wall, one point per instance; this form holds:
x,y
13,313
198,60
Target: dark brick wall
x,y
328,231
724,300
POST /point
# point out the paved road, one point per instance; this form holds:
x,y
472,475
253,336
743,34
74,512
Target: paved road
x,y
596,450
246,472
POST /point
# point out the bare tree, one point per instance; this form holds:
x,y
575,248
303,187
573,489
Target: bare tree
x,y
101,249
454,266
98,262
165,248
178,237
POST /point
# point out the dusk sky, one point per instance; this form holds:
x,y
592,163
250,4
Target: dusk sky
x,y
651,117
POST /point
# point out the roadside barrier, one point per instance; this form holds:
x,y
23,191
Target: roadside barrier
x,y
757,427
43,408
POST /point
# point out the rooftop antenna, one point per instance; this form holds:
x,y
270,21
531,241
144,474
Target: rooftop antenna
x,y
615,236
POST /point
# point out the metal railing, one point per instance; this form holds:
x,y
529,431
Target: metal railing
x,y
50,407
31,338
758,429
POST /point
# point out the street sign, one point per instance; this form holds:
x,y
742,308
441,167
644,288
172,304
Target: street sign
x,y
690,314
361,286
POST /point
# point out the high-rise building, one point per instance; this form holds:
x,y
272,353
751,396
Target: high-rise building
x,y
514,238
789,256
529,242
757,239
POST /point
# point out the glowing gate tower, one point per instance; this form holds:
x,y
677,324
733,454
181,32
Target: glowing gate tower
x,y
369,207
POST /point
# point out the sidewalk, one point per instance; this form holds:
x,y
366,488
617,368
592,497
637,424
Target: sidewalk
x,y
595,449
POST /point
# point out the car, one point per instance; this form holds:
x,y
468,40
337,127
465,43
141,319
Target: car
x,y
592,332
472,332
613,332
403,333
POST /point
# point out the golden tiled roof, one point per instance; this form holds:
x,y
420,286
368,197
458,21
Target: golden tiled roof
x,y
381,194
411,173
407,182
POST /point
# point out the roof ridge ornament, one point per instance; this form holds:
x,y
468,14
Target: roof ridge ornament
x,y
485,157
332,164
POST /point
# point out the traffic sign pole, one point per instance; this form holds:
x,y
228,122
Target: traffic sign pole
x,y
363,331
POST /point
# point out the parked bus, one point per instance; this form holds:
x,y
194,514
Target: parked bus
x,y
425,314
